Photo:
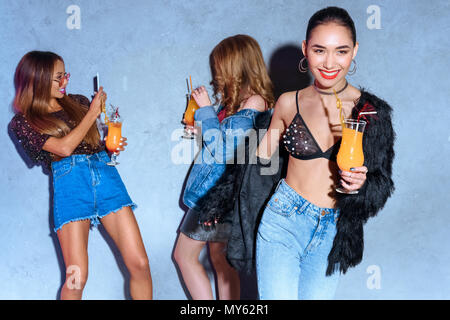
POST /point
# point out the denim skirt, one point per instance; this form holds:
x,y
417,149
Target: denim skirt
x,y
85,187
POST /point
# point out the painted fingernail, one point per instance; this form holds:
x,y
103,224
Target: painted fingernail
x,y
352,169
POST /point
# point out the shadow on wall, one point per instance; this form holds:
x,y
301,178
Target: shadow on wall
x,y
30,164
284,72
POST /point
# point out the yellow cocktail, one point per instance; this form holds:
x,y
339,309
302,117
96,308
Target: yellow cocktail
x,y
190,111
188,117
350,153
351,150
114,136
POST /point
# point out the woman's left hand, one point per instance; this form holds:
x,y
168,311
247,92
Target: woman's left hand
x,y
201,97
354,179
123,144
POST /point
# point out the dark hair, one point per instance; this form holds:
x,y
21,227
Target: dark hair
x,y
33,83
331,14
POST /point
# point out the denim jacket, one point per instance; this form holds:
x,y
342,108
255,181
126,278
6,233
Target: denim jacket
x,y
219,142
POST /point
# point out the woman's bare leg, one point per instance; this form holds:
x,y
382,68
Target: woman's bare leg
x,y
187,252
123,229
228,280
73,239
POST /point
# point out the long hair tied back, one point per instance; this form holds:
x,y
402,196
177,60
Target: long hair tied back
x,y
336,15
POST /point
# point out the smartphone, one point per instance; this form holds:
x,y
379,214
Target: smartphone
x,y
96,83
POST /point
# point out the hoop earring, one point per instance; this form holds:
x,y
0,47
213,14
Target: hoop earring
x,y
353,71
301,68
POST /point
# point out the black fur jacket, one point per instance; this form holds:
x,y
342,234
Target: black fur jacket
x,y
243,190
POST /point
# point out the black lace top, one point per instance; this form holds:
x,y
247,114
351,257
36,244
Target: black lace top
x,y
32,141
300,143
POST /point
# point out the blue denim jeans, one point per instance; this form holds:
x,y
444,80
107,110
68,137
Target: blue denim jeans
x,y
292,246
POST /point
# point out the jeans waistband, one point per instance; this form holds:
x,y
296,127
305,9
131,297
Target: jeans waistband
x,y
304,204
78,158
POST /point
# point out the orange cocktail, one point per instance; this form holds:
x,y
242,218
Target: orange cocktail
x,y
190,111
188,117
351,150
114,136
350,153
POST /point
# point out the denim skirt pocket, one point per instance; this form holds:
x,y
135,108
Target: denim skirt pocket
x,y
104,158
281,204
61,170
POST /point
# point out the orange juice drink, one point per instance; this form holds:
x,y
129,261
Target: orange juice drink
x,y
351,150
190,111
114,136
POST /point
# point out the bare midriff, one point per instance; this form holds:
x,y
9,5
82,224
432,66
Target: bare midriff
x,y
314,180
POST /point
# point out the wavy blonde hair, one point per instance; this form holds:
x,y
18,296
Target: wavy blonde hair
x,y
237,64
33,81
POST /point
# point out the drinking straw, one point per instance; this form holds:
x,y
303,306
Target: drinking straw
x,y
187,83
191,83
339,106
369,112
104,111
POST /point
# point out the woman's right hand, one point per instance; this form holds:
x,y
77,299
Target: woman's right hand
x,y
96,104
201,97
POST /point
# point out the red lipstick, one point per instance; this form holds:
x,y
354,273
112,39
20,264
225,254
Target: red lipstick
x,y
329,75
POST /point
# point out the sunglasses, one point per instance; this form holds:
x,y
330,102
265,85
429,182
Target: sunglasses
x,y
60,81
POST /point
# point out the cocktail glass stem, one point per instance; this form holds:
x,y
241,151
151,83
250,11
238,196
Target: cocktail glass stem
x,y
113,161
